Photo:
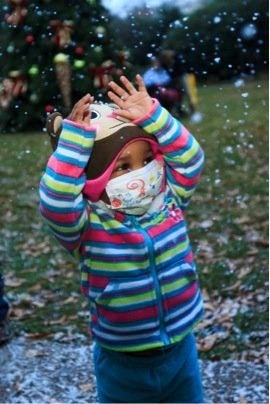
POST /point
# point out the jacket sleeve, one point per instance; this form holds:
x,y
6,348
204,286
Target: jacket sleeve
x,y
61,200
182,153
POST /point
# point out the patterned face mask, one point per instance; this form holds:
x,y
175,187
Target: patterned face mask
x,y
133,193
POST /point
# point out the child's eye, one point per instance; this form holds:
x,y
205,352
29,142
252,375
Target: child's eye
x,y
148,160
123,167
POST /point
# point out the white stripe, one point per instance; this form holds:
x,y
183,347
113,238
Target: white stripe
x,y
65,238
189,170
171,236
129,285
110,337
73,154
176,269
116,252
144,327
186,319
187,307
168,135
54,202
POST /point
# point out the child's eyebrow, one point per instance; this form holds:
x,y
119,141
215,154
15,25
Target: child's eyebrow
x,y
122,158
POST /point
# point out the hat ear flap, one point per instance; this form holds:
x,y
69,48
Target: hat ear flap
x,y
54,128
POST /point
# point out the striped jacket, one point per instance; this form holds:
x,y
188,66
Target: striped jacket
x,y
137,271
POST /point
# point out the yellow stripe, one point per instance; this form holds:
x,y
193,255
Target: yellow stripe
x,y
61,186
73,137
157,126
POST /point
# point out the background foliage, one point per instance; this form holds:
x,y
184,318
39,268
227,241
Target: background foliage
x,y
54,54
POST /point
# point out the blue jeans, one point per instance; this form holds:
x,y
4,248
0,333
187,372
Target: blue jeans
x,y
171,376
3,302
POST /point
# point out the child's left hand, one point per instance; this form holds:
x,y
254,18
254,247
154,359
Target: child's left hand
x,y
81,111
133,103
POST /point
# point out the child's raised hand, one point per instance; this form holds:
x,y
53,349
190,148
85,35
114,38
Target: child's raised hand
x,y
81,111
133,102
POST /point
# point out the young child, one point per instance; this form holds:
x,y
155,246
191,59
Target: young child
x,y
113,193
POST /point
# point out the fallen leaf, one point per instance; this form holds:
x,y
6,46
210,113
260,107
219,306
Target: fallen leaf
x,y
38,335
86,387
236,285
14,282
33,353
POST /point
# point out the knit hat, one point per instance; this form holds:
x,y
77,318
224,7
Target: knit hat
x,y
113,133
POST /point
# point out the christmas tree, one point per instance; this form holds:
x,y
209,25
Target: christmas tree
x,y
53,52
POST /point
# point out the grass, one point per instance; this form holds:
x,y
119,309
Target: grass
x,y
228,221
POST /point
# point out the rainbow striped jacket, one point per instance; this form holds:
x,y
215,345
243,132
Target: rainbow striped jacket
x,y
137,271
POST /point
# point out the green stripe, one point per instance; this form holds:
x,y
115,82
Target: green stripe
x,y
179,248
116,266
178,284
128,300
63,187
137,348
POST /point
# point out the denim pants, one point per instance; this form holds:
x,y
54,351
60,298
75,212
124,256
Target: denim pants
x,y
3,303
171,376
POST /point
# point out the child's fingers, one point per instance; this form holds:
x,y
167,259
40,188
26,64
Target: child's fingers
x,y
114,97
118,90
140,82
128,85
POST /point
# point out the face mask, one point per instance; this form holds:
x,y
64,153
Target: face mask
x,y
134,192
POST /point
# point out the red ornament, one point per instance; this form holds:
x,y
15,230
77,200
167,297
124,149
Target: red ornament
x,y
79,50
49,109
29,39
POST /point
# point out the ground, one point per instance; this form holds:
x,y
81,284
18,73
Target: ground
x,y
49,372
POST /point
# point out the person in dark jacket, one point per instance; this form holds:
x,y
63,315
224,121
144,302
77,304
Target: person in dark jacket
x,y
4,308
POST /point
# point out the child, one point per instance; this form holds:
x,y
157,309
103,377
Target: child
x,y
114,192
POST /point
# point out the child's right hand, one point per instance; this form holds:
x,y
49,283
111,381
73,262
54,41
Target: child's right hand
x,y
81,111
133,103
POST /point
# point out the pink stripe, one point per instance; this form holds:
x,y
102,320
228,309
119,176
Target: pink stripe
x,y
160,228
182,297
91,128
69,246
60,217
179,143
189,258
103,236
185,181
64,168
129,316
97,281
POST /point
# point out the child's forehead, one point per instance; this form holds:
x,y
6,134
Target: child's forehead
x,y
139,145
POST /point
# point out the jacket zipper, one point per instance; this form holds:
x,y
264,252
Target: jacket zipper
x,y
149,243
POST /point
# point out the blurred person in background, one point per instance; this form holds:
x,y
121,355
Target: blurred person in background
x,y
4,308
183,80
160,85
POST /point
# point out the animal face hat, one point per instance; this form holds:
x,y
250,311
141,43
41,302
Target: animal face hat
x,y
113,134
